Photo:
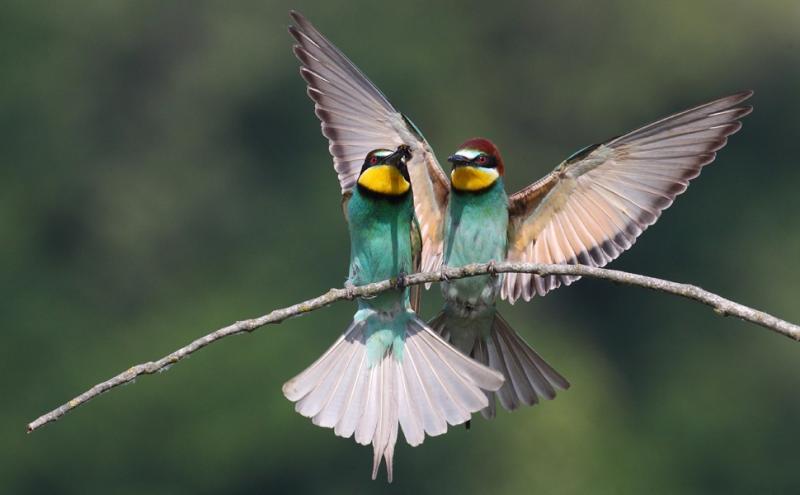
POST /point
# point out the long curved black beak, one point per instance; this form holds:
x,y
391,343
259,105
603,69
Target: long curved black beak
x,y
458,160
398,156
395,158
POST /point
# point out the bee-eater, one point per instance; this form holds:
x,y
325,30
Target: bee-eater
x,y
388,367
475,230
589,210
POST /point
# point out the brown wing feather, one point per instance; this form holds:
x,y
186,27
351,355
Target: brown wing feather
x,y
522,203
594,205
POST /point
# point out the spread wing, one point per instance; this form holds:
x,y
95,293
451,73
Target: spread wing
x,y
595,204
357,118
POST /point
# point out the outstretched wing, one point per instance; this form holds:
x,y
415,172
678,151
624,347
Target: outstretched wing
x,y
595,204
357,118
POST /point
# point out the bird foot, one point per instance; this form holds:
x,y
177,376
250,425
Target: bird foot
x,y
349,289
400,280
492,269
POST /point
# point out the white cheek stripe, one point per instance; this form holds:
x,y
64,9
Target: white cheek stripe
x,y
469,154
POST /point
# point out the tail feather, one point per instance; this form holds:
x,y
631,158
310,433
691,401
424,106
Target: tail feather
x,y
336,406
314,402
354,405
420,388
438,387
385,435
365,430
299,386
451,371
497,360
481,354
546,387
422,398
408,409
528,376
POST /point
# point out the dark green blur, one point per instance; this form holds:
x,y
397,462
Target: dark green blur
x,y
162,174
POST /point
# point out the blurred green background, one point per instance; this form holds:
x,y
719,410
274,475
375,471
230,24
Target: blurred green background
x,y
162,174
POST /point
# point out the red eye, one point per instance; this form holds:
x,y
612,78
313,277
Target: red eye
x,y
482,159
373,160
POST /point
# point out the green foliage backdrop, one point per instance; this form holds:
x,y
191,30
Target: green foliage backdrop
x,y
162,174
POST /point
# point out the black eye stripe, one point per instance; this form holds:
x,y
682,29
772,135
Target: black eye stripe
x,y
484,160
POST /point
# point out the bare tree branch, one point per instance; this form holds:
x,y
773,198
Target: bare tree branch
x,y
720,305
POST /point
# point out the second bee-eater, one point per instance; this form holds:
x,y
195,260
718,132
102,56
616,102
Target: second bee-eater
x,y
589,210
388,368
476,231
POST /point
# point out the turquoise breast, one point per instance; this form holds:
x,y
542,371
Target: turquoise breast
x,y
380,242
476,231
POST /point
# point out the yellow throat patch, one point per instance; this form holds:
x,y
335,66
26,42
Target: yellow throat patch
x,y
384,179
468,178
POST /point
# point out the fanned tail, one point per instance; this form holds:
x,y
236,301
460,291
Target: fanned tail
x,y
528,377
421,384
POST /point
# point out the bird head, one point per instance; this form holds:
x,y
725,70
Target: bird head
x,y
385,173
476,165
